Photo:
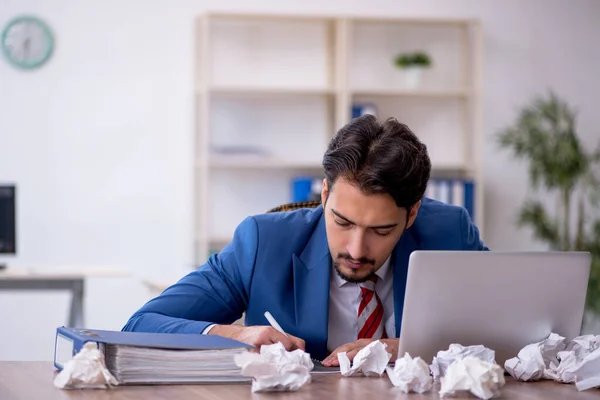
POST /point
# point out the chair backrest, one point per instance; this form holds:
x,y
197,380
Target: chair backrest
x,y
295,206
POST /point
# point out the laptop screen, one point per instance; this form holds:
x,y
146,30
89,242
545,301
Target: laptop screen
x,y
8,228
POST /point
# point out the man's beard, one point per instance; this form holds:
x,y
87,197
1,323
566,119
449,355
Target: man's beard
x,y
364,261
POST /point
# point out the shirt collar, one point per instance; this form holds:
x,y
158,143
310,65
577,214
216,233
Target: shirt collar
x,y
382,273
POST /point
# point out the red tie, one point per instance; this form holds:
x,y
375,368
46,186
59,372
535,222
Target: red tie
x,y
370,312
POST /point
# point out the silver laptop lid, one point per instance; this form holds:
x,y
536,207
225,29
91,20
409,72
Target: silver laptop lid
x,y
502,300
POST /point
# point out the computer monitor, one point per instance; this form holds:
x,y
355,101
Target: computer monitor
x,y
8,220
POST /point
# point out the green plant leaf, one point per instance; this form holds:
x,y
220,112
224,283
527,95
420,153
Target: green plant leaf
x,y
544,135
544,227
418,58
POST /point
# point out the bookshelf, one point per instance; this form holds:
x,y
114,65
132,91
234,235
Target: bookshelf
x,y
271,90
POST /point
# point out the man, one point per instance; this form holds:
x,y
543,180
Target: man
x,y
334,277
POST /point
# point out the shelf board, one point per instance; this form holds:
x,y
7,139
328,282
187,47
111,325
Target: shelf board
x,y
244,163
257,162
242,90
460,93
330,17
450,171
220,240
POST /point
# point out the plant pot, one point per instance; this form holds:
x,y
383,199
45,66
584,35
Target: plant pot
x,y
412,77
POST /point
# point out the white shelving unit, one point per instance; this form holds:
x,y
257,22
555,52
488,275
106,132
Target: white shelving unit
x,y
282,85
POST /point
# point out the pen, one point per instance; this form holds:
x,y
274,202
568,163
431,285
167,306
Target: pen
x,y
274,323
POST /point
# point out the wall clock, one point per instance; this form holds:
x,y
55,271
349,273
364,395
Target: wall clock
x,y
27,42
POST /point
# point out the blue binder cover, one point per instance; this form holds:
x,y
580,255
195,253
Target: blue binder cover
x,y
69,341
470,198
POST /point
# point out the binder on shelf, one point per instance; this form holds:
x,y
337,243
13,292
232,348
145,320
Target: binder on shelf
x,y
150,358
306,188
360,109
459,192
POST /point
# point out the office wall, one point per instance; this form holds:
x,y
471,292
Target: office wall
x,y
99,141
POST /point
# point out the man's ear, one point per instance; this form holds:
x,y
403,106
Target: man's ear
x,y
324,192
413,214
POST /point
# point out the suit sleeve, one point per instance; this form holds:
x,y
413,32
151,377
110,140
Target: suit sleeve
x,y
217,292
470,234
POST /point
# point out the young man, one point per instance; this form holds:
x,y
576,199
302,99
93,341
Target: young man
x,y
334,277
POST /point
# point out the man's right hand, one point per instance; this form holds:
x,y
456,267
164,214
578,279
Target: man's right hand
x,y
258,336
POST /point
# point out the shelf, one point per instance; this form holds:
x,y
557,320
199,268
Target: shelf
x,y
450,171
269,91
220,240
244,16
256,162
273,163
411,93
272,90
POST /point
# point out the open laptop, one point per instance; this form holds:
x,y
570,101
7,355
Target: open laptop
x,y
502,300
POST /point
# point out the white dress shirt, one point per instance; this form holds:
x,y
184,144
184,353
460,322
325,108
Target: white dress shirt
x,y
344,300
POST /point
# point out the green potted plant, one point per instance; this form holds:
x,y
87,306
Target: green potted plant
x,y
413,64
545,136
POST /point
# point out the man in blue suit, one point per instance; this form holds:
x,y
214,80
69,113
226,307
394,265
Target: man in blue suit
x,y
334,277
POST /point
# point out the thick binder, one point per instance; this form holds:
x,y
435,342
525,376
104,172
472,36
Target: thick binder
x,y
69,341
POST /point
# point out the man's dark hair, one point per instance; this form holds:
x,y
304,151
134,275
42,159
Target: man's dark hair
x,y
380,158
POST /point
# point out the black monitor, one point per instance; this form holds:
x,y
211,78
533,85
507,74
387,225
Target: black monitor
x,y
8,220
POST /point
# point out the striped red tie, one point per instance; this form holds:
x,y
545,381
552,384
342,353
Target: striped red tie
x,y
370,312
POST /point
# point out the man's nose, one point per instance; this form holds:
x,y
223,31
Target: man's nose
x,y
357,247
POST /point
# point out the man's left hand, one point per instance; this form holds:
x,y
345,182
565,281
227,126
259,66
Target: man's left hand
x,y
353,348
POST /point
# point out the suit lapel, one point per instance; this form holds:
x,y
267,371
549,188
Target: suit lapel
x,y
311,292
402,251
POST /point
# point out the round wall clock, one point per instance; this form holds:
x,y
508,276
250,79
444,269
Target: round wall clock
x,y
27,42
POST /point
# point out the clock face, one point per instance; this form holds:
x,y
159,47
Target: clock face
x,y
27,42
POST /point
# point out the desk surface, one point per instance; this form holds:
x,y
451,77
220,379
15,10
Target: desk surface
x,y
62,273
34,380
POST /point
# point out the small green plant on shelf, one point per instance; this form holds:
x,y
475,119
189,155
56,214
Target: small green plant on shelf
x,y
417,59
412,66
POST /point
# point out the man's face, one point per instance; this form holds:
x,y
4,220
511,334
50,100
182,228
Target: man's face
x,y
362,229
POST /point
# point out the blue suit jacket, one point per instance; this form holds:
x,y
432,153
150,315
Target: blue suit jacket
x,y
280,262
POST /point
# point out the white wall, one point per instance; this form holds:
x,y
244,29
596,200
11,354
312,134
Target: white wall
x,y
99,141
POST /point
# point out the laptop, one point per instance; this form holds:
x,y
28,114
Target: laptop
x,y
502,300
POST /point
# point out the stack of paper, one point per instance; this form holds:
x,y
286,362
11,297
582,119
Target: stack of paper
x,y
140,365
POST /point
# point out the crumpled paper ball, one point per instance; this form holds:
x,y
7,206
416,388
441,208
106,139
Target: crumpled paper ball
x,y
86,370
532,360
275,369
587,373
370,360
445,358
410,374
578,363
483,379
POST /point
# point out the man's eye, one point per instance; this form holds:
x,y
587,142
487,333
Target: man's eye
x,y
380,233
340,223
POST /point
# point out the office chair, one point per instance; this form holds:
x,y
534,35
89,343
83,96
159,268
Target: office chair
x,y
296,206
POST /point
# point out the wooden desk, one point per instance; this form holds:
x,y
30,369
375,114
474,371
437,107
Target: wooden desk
x,y
71,279
34,380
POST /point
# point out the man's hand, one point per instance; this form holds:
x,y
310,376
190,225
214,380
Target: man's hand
x,y
258,335
353,348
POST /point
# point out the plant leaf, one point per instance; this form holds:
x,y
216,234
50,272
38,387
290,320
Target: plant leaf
x,y
544,227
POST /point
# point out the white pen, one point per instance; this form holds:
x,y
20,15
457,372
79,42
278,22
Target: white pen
x,y
274,323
